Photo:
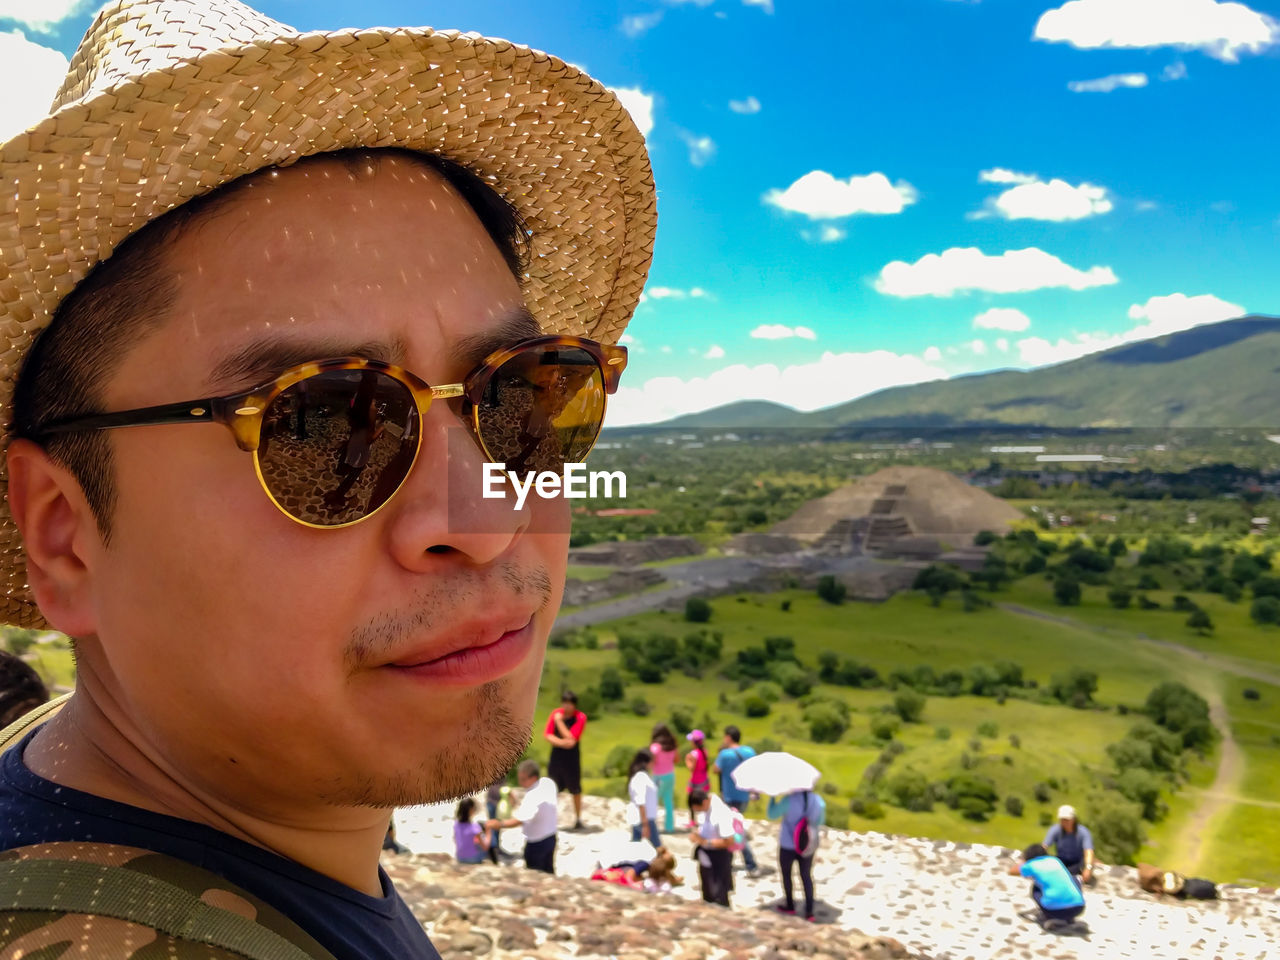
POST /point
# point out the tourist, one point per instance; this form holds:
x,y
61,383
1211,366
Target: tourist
x,y
21,688
714,837
564,733
264,672
803,814
642,811
470,840
497,805
1072,843
535,815
1053,887
665,754
732,752
696,761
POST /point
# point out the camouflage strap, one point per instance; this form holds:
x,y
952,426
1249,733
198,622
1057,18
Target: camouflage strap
x,y
29,720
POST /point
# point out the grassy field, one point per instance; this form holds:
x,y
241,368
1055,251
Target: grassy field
x,y
1055,741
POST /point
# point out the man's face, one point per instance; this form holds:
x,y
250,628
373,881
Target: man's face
x,y
569,710
268,662
1067,825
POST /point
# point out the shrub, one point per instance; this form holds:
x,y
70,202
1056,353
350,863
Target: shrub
x,y
1251,694
1117,547
989,729
909,705
785,606
831,590
867,807
942,732
1119,597
1035,563
875,772
1116,824
768,745
611,686
780,648
1146,603
1231,591
1183,604
640,706
909,789
1265,610
975,745
983,681
697,610
972,808
1042,792
966,761
1143,788
1200,622
589,701
883,727
894,748
1180,709
1148,582
754,705
984,537
826,723
795,681
682,718
1076,687
971,602
768,692
1013,806
618,761
1066,591
837,816
1015,741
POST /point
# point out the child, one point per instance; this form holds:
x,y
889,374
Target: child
x,y
642,812
664,753
699,778
470,840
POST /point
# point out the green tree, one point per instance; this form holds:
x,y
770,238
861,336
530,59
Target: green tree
x,y
1119,597
831,590
1200,621
697,610
611,686
1116,824
1117,547
1066,591
1143,788
909,705
754,705
1265,610
1178,708
826,723
1076,687
910,790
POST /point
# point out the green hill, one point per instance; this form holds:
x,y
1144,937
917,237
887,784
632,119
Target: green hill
x,y
746,413
1222,374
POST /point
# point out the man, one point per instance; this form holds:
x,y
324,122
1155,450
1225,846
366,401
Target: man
x,y
535,816
564,733
21,688
713,839
266,669
731,754
1056,892
1072,843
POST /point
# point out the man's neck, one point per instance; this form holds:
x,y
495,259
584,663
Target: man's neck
x,y
86,748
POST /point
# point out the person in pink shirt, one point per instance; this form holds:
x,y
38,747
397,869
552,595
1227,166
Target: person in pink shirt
x,y
696,761
664,753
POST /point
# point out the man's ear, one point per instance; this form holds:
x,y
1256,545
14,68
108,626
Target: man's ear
x,y
58,531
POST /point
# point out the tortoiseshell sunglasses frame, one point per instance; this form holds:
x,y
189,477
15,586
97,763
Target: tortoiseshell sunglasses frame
x,y
242,412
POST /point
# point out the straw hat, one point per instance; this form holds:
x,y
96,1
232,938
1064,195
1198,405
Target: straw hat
x,y
167,99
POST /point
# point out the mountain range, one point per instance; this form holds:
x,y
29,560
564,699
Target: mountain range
x,y
1216,375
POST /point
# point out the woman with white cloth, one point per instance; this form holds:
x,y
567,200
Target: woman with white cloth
x,y
803,813
642,811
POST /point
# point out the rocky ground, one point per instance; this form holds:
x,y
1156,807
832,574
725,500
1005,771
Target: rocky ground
x,y
879,897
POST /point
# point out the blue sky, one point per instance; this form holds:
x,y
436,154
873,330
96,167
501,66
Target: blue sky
x,y
862,193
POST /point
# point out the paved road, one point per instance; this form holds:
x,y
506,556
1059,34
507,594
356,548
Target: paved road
x,y
709,575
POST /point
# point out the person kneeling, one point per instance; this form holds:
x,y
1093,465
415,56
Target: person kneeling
x,y
1056,892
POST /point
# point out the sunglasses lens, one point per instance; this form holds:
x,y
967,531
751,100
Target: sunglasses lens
x,y
543,408
336,446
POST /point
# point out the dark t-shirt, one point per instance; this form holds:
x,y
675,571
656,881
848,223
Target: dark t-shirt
x,y
349,924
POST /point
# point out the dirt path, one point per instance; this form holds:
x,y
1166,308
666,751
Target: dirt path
x,y
1187,848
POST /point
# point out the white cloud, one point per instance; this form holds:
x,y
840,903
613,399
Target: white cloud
x,y
1108,83
639,104
1162,316
1001,175
820,196
716,352
766,5
962,269
41,15
1220,29
1174,71
30,76
674,293
749,105
978,347
829,233
665,348
701,149
780,331
932,355
641,23
1002,318
834,378
1002,345
627,340
1056,200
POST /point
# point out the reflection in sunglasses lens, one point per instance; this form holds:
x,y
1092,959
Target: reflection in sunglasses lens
x,y
542,409
334,447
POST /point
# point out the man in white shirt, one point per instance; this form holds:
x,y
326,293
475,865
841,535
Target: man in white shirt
x,y
714,841
536,816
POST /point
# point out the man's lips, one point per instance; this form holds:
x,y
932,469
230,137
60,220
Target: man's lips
x,y
474,657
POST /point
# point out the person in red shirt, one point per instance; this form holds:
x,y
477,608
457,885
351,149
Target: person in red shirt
x,y
564,731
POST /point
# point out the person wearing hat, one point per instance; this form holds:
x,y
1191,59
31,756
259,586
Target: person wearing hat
x,y
271,301
1072,843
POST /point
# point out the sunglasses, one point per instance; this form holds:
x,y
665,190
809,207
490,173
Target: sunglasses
x,y
333,441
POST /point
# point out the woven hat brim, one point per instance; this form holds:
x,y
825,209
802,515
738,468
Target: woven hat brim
x,y
553,141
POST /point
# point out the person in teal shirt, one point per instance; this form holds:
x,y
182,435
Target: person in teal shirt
x,y
1056,892
803,804
732,753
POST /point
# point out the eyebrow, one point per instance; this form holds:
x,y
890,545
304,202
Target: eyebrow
x,y
268,357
